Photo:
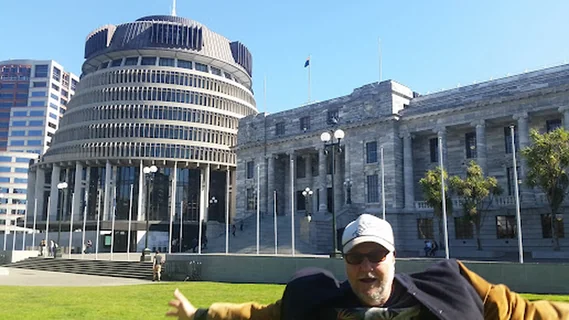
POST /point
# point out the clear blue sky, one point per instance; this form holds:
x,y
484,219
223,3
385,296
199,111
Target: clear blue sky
x,y
426,45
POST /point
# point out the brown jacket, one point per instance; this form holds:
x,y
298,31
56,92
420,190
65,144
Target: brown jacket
x,y
499,304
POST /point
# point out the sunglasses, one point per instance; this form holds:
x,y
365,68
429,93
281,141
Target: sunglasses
x,y
375,256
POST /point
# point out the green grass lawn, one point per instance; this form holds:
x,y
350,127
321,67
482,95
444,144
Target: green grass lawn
x,y
134,301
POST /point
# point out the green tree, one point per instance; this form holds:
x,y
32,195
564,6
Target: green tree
x,y
431,185
476,194
547,163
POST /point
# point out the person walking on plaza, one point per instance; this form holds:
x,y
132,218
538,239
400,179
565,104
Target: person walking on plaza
x,y
157,263
447,290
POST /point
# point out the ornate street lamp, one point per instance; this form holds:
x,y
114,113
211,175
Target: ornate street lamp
x,y
149,174
307,193
333,144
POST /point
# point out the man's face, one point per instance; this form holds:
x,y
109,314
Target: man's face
x,y
371,280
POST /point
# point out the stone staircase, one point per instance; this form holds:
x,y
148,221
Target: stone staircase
x,y
108,268
244,241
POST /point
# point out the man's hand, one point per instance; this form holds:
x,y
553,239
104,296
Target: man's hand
x,y
183,309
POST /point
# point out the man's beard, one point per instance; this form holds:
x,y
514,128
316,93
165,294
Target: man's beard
x,y
377,295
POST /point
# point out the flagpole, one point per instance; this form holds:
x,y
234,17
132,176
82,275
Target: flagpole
x,y
97,235
258,208
85,206
35,220
131,195
292,202
517,191
24,231
443,197
309,67
114,213
382,184
181,224
47,224
227,178
172,207
379,48
275,219
71,223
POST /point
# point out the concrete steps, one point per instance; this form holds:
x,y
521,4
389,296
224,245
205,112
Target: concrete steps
x,y
245,241
122,269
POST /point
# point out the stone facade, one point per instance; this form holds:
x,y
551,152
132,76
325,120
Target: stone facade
x,y
471,122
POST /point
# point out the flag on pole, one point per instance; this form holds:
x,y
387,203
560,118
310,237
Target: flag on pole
x,y
307,62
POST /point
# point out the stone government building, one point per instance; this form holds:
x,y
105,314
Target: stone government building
x,y
473,122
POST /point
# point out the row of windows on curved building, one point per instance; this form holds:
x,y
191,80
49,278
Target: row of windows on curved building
x,y
146,130
152,112
158,94
157,151
126,76
165,62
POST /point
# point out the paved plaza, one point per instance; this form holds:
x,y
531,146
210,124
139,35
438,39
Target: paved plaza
x,y
24,277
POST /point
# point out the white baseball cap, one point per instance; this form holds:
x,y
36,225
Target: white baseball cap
x,y
368,228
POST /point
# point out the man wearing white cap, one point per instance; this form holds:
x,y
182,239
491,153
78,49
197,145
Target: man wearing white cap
x,y
447,290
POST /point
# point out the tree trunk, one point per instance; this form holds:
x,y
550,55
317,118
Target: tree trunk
x,y
441,236
554,232
478,242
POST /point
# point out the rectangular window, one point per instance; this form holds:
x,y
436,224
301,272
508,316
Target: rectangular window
x,y
18,133
305,123
505,227
116,62
425,228
20,180
372,189
463,228
510,176
280,129
55,87
21,170
17,143
250,169
216,71
37,113
470,145
53,106
54,97
39,93
201,67
36,123
20,114
166,62
18,123
300,167
434,146
51,125
64,93
4,179
41,71
53,116
508,139
314,164
300,201
184,64
148,61
74,84
371,152
251,199
5,169
132,61
333,116
552,124
23,160
546,226
39,84
34,143
35,133
56,74
5,159
37,104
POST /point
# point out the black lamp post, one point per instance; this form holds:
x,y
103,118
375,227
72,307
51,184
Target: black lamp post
x,y
332,141
148,173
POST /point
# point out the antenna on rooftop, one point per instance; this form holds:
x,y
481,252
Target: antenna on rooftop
x,y
174,8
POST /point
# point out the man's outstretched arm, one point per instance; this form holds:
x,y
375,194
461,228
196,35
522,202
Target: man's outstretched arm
x,y
184,310
502,303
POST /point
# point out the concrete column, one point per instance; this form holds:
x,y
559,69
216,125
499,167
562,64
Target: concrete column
x,y
270,183
66,193
286,197
481,157
54,193
409,183
565,111
39,193
322,177
77,191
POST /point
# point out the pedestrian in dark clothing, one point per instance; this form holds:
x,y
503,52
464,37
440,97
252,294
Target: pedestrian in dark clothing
x,y
233,229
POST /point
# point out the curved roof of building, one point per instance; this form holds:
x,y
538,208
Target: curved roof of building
x,y
168,33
